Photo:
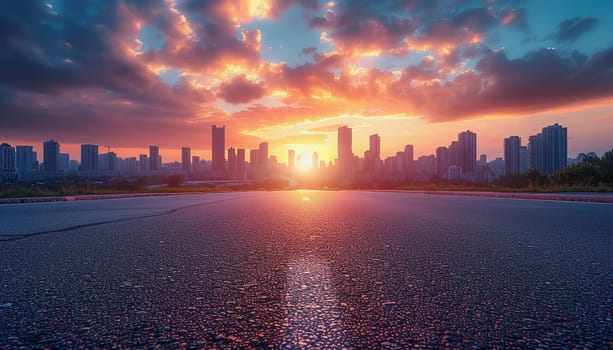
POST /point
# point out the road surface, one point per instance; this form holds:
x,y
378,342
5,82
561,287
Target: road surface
x,y
300,269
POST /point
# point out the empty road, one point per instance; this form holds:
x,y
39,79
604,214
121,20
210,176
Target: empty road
x,y
298,269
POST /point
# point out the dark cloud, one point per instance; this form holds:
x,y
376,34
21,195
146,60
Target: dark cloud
x,y
571,29
240,90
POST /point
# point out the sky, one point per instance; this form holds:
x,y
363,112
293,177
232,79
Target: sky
x,y
132,73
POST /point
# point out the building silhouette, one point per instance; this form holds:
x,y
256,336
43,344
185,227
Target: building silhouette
x,y
442,162
345,155
240,163
186,159
554,148
89,158
154,158
218,147
291,159
536,152
512,147
467,142
51,156
231,162
7,163
25,162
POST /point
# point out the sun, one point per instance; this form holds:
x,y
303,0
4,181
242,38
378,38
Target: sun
x,y
306,163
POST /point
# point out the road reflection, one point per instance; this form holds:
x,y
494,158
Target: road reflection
x,y
314,314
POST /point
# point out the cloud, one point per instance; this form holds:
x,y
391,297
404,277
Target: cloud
x,y
571,29
240,90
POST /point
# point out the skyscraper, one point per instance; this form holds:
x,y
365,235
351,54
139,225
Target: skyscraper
x,y
7,162
64,162
143,163
186,159
154,158
51,156
218,148
345,155
231,162
554,148
468,151
24,162
409,161
375,147
535,152
291,159
442,162
512,146
240,163
315,160
195,164
263,155
89,158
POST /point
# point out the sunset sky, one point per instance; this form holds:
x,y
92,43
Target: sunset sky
x,y
130,74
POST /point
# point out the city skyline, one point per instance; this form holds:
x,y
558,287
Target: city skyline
x,y
291,72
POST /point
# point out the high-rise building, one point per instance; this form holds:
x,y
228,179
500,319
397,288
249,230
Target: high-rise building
x,y
375,147
25,162
467,141
291,159
240,163
218,148
442,162
524,160
512,146
64,162
7,162
253,158
89,158
554,148
51,156
345,155
409,160
154,158
232,162
195,164
263,155
186,158
143,163
535,152
315,160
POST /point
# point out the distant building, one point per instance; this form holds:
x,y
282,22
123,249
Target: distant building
x,y
291,159
51,156
240,163
155,163
345,155
512,146
25,162
554,148
442,162
232,162
89,158
467,142
409,161
143,163
196,164
218,147
536,152
64,162
315,160
7,163
186,158
524,160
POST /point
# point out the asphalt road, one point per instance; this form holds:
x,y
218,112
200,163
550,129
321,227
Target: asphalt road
x,y
307,269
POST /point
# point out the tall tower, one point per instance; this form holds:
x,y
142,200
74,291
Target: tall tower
x,y
467,142
24,161
442,162
89,158
555,148
218,147
154,158
291,159
345,155
186,159
536,152
51,156
512,145
231,162
240,163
